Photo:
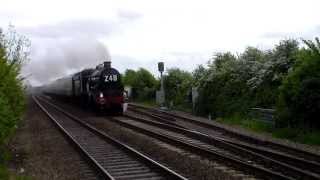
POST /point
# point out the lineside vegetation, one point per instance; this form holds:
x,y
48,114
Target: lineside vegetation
x,y
285,78
13,53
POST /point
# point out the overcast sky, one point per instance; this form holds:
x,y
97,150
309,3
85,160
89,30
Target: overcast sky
x,y
68,35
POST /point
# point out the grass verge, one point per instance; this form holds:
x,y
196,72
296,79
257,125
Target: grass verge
x,y
5,157
148,103
296,135
311,138
248,123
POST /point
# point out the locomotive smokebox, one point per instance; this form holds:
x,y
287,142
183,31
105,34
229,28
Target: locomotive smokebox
x,y
107,64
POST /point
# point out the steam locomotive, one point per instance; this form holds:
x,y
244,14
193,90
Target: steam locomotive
x,y
99,88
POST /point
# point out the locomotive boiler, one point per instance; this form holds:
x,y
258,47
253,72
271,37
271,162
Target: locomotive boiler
x,y
99,88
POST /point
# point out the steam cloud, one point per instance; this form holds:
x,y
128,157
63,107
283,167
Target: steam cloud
x,y
62,48
63,57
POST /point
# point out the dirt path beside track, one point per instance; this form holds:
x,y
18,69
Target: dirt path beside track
x,y
41,152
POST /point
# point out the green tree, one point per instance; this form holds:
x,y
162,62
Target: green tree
x,y
233,84
198,75
268,70
130,77
222,62
223,91
145,79
13,53
299,101
143,83
177,85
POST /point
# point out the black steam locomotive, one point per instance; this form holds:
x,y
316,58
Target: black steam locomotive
x,y
99,88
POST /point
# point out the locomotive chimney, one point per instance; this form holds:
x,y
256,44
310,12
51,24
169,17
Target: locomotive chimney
x,y
107,64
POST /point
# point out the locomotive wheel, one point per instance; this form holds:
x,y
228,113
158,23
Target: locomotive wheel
x,y
118,111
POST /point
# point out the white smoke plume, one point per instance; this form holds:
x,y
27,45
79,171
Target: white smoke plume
x,y
62,57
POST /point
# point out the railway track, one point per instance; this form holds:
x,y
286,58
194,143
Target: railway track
x,y
211,129
260,163
261,167
238,147
109,157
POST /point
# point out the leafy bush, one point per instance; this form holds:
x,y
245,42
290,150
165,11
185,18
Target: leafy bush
x,y
143,84
232,84
177,84
13,53
299,102
12,99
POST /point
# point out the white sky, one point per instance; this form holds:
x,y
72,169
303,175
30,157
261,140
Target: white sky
x,y
139,33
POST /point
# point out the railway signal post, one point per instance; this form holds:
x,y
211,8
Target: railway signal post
x,y
160,94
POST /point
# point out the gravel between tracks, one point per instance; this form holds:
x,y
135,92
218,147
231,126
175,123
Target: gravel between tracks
x,y
40,151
